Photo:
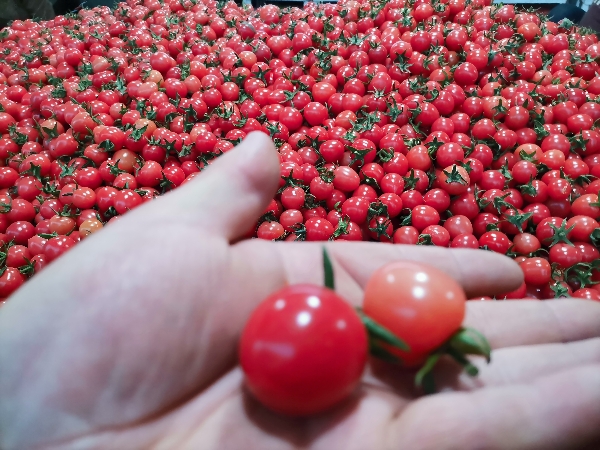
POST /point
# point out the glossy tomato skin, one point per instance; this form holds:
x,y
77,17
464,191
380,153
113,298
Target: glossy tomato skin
x,y
303,350
389,119
422,305
10,281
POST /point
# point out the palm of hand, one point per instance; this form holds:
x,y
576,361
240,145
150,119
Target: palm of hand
x,y
138,349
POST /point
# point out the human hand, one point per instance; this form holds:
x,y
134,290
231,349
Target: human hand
x,y
129,340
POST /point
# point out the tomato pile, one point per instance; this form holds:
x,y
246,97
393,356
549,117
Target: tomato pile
x,y
445,122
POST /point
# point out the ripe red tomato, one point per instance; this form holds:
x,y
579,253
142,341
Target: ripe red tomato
x,y
303,350
420,304
537,271
56,246
10,280
454,179
318,229
423,216
430,113
495,241
126,200
270,231
315,113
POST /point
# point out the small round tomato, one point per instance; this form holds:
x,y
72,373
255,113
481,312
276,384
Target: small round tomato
x,y
10,280
564,255
423,216
17,256
315,113
525,243
465,241
537,271
454,179
303,350
495,241
421,305
270,231
406,235
457,225
583,227
20,232
588,294
62,225
56,246
89,227
126,200
318,229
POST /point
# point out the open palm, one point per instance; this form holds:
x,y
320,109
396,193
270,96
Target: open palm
x,y
129,340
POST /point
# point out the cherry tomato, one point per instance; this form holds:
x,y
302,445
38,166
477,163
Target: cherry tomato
x,y
537,271
56,246
303,350
420,304
10,280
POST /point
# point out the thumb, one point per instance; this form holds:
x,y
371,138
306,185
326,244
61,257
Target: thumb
x,y
231,193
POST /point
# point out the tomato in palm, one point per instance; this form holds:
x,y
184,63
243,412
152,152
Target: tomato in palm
x,y
303,350
421,305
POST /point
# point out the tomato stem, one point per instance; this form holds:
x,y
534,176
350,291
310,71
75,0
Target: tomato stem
x,y
424,377
466,341
328,270
469,341
378,333
376,350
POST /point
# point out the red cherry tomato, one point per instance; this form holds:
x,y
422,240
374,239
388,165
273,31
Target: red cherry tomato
x,y
10,280
303,350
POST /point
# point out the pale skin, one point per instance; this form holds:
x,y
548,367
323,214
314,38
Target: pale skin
x,y
129,340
